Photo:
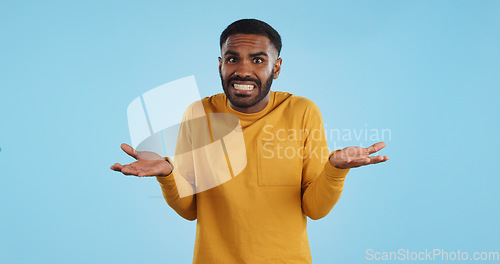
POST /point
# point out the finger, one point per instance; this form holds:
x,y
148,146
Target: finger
x,y
129,150
375,147
145,174
129,170
378,159
352,163
358,162
148,172
116,167
352,153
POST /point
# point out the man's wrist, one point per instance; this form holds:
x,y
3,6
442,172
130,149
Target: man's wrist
x,y
333,163
167,159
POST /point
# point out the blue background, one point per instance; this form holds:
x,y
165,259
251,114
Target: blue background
x,y
426,70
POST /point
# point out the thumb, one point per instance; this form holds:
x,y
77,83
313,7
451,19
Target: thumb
x,y
129,150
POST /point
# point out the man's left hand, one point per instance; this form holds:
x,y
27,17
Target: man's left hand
x,y
352,157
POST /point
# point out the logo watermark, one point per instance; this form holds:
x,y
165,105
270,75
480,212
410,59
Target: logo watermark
x,y
207,149
431,255
276,141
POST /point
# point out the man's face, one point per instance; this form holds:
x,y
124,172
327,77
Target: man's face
x,y
248,65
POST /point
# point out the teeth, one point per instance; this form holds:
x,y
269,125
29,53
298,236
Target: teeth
x,y
243,87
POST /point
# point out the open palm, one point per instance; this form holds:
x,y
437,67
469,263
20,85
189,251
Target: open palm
x,y
352,157
147,164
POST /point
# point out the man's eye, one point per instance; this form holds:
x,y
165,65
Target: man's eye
x,y
258,60
231,59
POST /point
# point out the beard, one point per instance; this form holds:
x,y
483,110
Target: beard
x,y
245,101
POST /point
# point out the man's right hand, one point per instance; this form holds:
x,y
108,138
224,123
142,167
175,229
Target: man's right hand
x,y
147,164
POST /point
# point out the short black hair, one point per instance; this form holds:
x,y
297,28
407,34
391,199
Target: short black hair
x,y
252,26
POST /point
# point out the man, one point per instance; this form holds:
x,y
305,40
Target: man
x,y
260,215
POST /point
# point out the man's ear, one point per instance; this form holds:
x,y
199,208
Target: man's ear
x,y
277,68
220,64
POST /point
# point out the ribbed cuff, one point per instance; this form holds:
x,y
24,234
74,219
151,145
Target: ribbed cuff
x,y
166,180
336,173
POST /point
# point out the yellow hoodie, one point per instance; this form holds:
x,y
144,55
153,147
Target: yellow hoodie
x,y
259,215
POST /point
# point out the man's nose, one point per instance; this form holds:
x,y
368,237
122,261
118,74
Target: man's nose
x,y
244,69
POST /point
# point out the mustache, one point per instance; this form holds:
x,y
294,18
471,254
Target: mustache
x,y
246,79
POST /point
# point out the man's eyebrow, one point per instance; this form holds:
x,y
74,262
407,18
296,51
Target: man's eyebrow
x,y
259,54
229,52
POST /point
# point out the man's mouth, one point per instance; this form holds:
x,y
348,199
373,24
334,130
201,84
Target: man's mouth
x,y
243,87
